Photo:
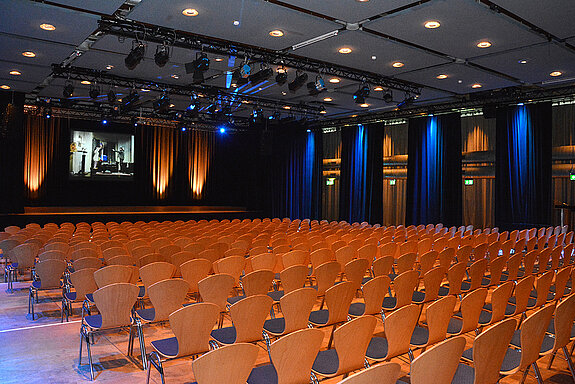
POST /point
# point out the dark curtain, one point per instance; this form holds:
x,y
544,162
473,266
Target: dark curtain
x,y
11,152
523,185
434,170
296,173
361,177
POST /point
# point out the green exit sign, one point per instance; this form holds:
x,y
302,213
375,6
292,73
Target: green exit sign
x,y
468,181
572,177
392,182
330,181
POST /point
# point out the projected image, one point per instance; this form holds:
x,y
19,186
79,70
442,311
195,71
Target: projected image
x,y
101,155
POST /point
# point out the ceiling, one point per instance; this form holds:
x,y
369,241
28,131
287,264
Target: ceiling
x,y
529,39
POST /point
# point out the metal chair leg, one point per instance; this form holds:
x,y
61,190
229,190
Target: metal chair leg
x,y
569,362
525,375
90,357
537,373
157,364
80,354
142,344
551,360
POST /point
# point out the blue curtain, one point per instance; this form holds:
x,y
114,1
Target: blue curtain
x,y
434,170
361,177
523,183
296,172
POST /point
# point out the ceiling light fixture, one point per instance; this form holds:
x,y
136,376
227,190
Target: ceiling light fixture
x,y
198,67
162,55
476,85
298,82
282,76
441,76
373,57
109,67
4,86
334,80
315,88
48,27
345,50
287,107
522,61
379,88
135,56
28,54
218,59
432,24
360,95
484,44
111,96
94,91
236,23
327,99
162,104
322,110
190,12
174,76
556,73
276,33
15,73
262,75
85,82
388,96
364,105
68,90
398,64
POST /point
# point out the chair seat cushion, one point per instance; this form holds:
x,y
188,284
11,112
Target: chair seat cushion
x,y
148,314
275,326
235,299
365,279
444,290
485,317
70,296
94,321
357,309
418,297
377,348
319,317
464,375
511,360
389,302
37,284
419,336
468,354
276,295
265,374
326,362
454,326
465,285
509,309
166,347
90,297
142,292
225,335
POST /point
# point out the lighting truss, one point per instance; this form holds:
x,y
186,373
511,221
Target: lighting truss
x,y
234,99
152,33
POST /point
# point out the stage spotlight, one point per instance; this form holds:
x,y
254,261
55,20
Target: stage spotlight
x,y
360,95
104,121
162,104
68,90
322,109
135,56
94,91
388,97
111,96
315,88
47,112
237,79
131,99
261,75
193,110
162,55
298,82
198,67
222,129
257,115
406,102
282,75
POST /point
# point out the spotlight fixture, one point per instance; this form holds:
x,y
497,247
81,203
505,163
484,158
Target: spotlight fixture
x,y
441,76
555,73
276,33
322,110
360,95
48,27
476,85
94,91
162,55
432,24
15,73
198,67
334,80
190,12
131,99
345,50
47,112
5,87
388,96
298,82
237,79
28,54
406,102
282,76
111,96
315,88
484,44
68,90
135,56
397,64
263,74
162,104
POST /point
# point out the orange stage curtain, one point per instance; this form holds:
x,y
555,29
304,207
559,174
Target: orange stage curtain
x,y
200,149
162,159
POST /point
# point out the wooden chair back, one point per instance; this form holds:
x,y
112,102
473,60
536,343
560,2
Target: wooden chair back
x,y
192,326
58,246
543,260
499,300
373,293
427,261
142,251
83,282
561,279
110,253
293,278
53,254
87,262
230,364
403,287
446,257
351,341
83,252
532,332
388,249
513,265
293,355
258,282
438,315
439,363
355,271
344,255
296,307
195,248
195,270
496,270
489,349
338,300
432,281
529,262
479,251
154,272
476,272
521,293
112,274
248,316
386,373
409,246
264,261
455,276
231,265
216,288
169,250
209,254
406,262
25,255
399,326
368,252
383,266
542,286
463,254
556,254
325,276
321,256
115,302
50,272
295,257
493,250
471,307
121,260
564,318
167,296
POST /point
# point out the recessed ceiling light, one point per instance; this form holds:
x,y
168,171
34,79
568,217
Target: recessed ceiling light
x,y
172,105
15,73
483,44
344,50
555,73
522,61
236,22
459,81
5,87
175,76
109,67
323,111
364,105
284,93
373,57
145,90
362,1
334,80
85,82
476,85
398,64
378,88
48,27
276,33
327,99
432,24
28,54
219,59
441,77
190,12
287,107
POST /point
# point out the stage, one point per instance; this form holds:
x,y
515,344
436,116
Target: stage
x,y
43,215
